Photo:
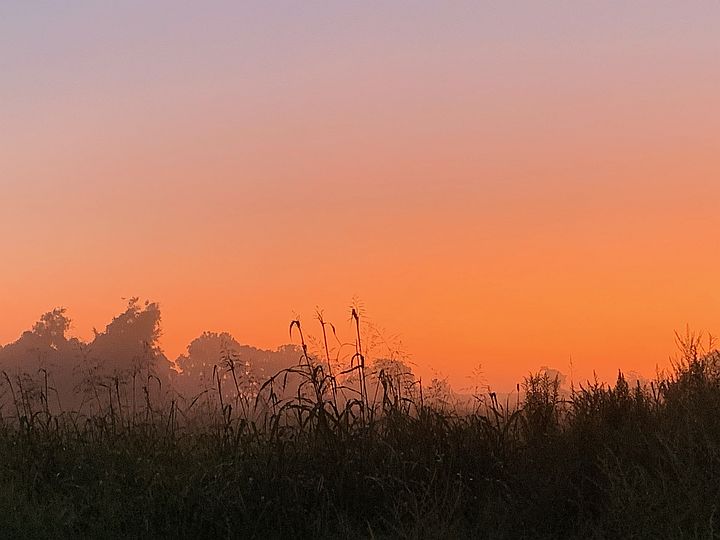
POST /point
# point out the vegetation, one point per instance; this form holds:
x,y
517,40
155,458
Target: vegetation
x,y
366,453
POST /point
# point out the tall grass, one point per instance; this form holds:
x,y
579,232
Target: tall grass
x,y
361,454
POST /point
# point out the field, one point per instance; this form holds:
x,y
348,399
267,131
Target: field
x,y
371,460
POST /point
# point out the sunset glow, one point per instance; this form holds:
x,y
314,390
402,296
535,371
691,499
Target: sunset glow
x,y
511,186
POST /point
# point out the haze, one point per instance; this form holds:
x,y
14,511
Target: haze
x,y
507,185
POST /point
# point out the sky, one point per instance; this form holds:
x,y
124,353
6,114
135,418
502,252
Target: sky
x,y
504,184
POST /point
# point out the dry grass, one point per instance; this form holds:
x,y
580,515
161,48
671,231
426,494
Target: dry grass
x,y
356,455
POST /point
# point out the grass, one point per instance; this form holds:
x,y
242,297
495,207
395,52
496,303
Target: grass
x,y
350,455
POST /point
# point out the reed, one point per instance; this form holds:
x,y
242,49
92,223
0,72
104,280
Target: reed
x,y
330,461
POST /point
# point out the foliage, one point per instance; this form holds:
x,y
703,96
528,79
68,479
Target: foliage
x,y
332,460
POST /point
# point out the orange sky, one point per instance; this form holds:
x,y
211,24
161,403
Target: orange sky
x,y
503,186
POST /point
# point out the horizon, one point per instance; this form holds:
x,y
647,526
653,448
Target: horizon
x,y
504,186
386,345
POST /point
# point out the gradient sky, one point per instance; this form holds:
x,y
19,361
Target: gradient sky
x,y
507,184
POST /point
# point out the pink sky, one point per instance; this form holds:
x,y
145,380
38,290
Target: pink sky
x,y
505,186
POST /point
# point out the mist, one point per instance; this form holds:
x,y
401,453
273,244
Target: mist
x,y
123,367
